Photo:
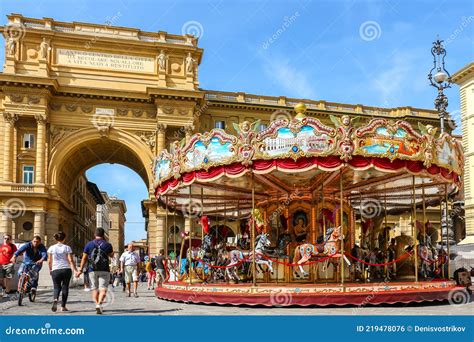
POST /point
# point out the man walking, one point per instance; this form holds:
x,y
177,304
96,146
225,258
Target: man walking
x,y
7,249
97,253
129,262
160,268
35,255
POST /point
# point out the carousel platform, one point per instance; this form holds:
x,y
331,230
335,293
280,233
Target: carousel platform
x,y
280,295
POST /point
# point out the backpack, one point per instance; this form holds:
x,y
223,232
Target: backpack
x,y
98,259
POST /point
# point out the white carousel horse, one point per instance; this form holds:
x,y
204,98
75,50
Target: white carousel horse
x,y
237,257
306,251
428,259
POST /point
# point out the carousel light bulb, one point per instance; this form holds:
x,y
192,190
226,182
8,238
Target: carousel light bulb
x,y
440,76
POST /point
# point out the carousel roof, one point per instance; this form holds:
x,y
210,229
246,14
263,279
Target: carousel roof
x,y
303,158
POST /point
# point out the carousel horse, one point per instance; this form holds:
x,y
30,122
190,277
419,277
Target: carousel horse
x,y
204,254
237,256
428,259
280,250
330,246
358,268
375,256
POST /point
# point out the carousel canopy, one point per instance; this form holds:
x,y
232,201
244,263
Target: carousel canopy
x,y
383,160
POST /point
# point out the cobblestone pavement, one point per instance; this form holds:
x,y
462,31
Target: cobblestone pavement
x,y
80,303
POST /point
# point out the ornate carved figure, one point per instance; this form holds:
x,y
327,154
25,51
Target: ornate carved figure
x,y
190,63
11,45
162,58
429,133
345,130
44,49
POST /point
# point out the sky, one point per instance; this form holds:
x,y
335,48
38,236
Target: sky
x,y
376,53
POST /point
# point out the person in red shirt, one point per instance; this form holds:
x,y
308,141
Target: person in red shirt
x,y
6,266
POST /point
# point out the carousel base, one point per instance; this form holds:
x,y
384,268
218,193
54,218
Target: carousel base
x,y
279,295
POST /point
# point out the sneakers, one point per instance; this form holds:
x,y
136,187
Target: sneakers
x,y
98,309
86,289
54,308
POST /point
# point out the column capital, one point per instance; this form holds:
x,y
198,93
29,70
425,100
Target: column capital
x,y
11,118
189,129
161,128
41,118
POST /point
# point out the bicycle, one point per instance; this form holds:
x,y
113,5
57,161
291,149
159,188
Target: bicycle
x,y
24,284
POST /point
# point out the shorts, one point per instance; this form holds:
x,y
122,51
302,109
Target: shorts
x,y
131,274
6,271
151,274
160,275
99,280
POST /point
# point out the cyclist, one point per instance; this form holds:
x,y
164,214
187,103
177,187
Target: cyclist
x,y
35,254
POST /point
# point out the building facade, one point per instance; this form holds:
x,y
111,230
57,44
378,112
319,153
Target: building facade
x,y
74,95
465,79
117,219
85,198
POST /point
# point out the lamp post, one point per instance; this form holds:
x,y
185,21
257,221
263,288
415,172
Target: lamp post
x,y
440,80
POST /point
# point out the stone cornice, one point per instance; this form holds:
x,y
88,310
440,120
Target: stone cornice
x,y
243,101
107,34
460,76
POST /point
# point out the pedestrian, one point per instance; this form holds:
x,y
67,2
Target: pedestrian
x,y
151,273
61,266
7,249
35,254
87,281
97,253
160,268
129,262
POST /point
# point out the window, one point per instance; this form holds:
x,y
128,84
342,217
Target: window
x,y
28,140
28,173
27,226
262,127
220,124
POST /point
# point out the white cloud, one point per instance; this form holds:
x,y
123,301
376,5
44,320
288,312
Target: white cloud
x,y
294,82
402,75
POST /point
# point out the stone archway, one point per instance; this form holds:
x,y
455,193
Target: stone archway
x,y
85,148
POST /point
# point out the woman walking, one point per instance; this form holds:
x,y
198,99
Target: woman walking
x,y
61,265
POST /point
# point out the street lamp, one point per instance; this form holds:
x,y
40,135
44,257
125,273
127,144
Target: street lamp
x,y
440,80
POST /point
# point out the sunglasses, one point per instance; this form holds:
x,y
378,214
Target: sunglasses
x,y
6,238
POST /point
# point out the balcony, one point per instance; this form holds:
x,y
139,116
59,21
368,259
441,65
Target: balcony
x,y
23,188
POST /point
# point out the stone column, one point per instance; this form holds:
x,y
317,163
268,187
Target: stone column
x,y
6,223
38,225
160,137
160,232
51,224
40,146
10,120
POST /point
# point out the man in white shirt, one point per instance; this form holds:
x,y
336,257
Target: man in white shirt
x,y
129,262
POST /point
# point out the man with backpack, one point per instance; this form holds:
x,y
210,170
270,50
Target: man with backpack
x,y
97,253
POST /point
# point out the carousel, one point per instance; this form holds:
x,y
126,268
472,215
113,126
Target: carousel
x,y
296,214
